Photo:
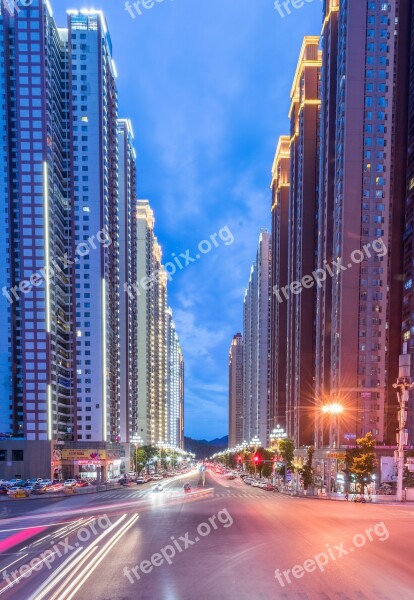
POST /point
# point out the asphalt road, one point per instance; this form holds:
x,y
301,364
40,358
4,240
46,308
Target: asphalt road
x,y
223,541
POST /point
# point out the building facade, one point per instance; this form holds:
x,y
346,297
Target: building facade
x,y
256,345
408,239
128,273
70,254
175,374
236,391
367,204
280,187
302,240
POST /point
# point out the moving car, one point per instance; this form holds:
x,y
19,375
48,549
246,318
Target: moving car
x,y
158,488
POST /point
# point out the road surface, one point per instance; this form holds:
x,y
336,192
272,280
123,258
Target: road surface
x,y
223,541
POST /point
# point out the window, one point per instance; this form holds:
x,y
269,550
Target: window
x,y
17,455
3,455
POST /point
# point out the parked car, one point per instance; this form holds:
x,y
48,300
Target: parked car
x,y
15,490
3,490
70,482
56,487
14,482
83,483
141,480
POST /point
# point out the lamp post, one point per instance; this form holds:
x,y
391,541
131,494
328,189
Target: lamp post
x,y
403,385
160,445
137,441
277,434
333,410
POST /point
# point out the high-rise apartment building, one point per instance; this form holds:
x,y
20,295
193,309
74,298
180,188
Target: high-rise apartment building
x,y
174,384
302,240
236,391
152,331
128,273
93,113
361,333
256,345
328,87
37,345
69,372
408,239
280,254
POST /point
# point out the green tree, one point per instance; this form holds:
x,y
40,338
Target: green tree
x,y
307,470
409,475
286,449
140,459
362,461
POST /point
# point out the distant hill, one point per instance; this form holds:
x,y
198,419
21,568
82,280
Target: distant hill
x,y
204,448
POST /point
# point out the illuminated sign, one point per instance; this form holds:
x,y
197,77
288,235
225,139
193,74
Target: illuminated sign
x,y
83,454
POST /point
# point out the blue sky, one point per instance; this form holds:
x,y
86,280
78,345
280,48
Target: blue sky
x,y
206,84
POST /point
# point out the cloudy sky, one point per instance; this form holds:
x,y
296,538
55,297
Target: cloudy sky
x,y
206,84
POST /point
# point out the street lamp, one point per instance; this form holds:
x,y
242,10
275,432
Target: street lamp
x,y
137,441
403,385
333,410
255,442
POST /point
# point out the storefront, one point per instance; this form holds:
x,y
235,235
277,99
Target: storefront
x,y
91,463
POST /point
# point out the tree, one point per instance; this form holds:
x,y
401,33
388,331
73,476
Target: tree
x,y
140,459
286,448
362,461
150,452
307,470
409,475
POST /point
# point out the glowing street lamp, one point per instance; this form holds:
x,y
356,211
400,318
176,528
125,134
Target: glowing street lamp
x,y
333,410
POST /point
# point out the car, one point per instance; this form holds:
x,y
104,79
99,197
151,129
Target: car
x,y
16,490
82,484
14,482
157,477
141,480
56,487
70,482
158,488
3,489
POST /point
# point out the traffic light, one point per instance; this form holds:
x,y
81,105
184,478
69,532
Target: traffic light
x,y
256,459
239,459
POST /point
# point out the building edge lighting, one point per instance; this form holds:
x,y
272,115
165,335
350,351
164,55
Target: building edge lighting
x,y
49,412
47,242
104,398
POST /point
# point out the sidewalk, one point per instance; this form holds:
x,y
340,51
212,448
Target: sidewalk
x,y
387,500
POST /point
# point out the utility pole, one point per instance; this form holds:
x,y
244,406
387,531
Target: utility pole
x,y
403,386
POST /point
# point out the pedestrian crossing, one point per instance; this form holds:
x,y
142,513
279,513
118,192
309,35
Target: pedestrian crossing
x,y
123,495
217,494
238,495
